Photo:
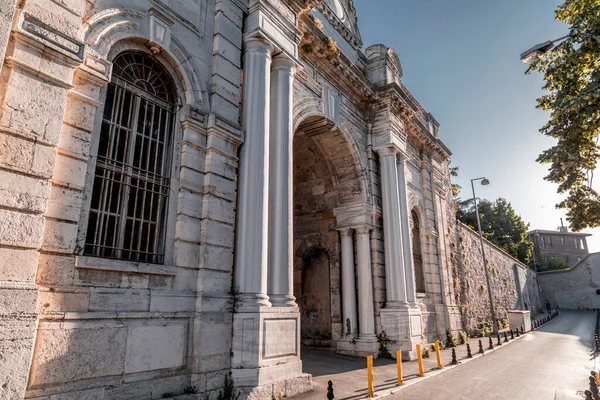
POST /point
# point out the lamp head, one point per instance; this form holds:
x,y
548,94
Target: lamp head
x,y
485,182
536,53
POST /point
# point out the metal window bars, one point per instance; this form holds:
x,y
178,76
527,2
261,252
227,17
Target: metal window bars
x,y
132,176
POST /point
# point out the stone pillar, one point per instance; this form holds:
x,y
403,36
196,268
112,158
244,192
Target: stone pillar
x,y
409,271
394,273
348,283
365,285
250,271
280,270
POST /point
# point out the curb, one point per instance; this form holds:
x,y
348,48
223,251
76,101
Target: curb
x,y
388,392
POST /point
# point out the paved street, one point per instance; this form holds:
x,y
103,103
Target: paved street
x,y
545,364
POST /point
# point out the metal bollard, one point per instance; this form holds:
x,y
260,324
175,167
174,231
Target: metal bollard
x,y
438,355
454,361
512,334
499,342
518,334
522,329
588,395
399,366
330,395
505,337
491,346
370,375
481,347
420,359
469,355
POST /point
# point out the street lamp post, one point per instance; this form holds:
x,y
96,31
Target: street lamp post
x,y
484,182
536,52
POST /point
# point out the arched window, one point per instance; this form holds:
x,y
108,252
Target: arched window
x,y
417,253
132,176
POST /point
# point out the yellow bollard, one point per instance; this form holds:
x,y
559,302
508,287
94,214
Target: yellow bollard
x,y
420,358
399,366
437,354
598,378
370,375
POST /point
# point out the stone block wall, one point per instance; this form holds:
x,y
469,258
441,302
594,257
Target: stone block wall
x,y
573,288
513,284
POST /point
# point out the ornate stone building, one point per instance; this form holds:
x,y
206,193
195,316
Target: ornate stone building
x,y
195,188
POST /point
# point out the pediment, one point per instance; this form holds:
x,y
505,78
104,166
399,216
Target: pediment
x,y
341,14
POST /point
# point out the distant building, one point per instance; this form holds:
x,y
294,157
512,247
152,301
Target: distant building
x,y
570,246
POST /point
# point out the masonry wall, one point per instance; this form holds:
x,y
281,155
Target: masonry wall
x,y
74,326
573,288
514,285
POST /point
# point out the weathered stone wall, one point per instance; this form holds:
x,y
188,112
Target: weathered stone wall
x,y
513,284
573,288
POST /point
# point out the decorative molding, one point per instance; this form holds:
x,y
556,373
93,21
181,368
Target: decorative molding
x,y
159,30
105,264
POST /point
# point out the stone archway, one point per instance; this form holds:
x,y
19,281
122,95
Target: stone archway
x,y
326,176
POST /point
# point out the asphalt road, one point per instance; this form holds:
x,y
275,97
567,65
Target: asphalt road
x,y
551,363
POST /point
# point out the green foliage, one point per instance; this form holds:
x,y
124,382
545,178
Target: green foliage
x,y
464,337
450,340
427,352
167,395
190,390
572,74
228,392
384,341
550,264
500,224
483,329
455,187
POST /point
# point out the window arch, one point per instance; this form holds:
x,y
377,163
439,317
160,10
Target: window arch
x,y
132,175
417,253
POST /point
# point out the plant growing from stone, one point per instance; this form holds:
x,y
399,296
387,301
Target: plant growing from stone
x,y
450,340
464,337
427,352
384,341
228,392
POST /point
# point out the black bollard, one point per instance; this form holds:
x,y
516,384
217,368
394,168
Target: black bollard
x,y
454,361
512,334
330,395
469,355
588,395
518,334
505,337
481,347
499,342
522,329
491,346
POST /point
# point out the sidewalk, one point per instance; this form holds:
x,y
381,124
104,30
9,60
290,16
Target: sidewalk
x,y
349,374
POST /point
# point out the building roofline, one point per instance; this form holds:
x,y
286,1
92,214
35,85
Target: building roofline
x,y
548,232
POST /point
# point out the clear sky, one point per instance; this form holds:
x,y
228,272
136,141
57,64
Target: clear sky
x,y
461,61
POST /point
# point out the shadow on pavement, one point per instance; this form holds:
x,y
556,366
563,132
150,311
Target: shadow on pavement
x,y
319,362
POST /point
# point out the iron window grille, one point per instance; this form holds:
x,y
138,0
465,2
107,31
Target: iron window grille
x,y
417,254
132,176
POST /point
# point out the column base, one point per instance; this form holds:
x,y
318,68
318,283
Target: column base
x,y
403,325
357,347
265,347
282,300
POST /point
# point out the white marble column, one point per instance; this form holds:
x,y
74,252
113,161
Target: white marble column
x,y
409,271
280,271
366,311
250,271
394,272
348,283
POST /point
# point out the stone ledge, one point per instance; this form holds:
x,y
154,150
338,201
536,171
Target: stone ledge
x,y
105,264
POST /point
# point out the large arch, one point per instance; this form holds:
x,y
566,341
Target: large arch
x,y
327,174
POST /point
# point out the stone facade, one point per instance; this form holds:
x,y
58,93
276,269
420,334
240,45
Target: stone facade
x,y
514,285
575,288
571,247
297,194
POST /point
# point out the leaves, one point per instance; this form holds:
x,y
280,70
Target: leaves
x,y
572,75
500,224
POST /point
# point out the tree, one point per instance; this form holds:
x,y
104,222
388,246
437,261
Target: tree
x,y
500,224
572,74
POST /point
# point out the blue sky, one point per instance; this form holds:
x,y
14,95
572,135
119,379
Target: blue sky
x,y
461,61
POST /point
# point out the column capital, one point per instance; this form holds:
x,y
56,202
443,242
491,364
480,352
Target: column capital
x,y
281,62
346,231
387,151
257,44
402,156
362,229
